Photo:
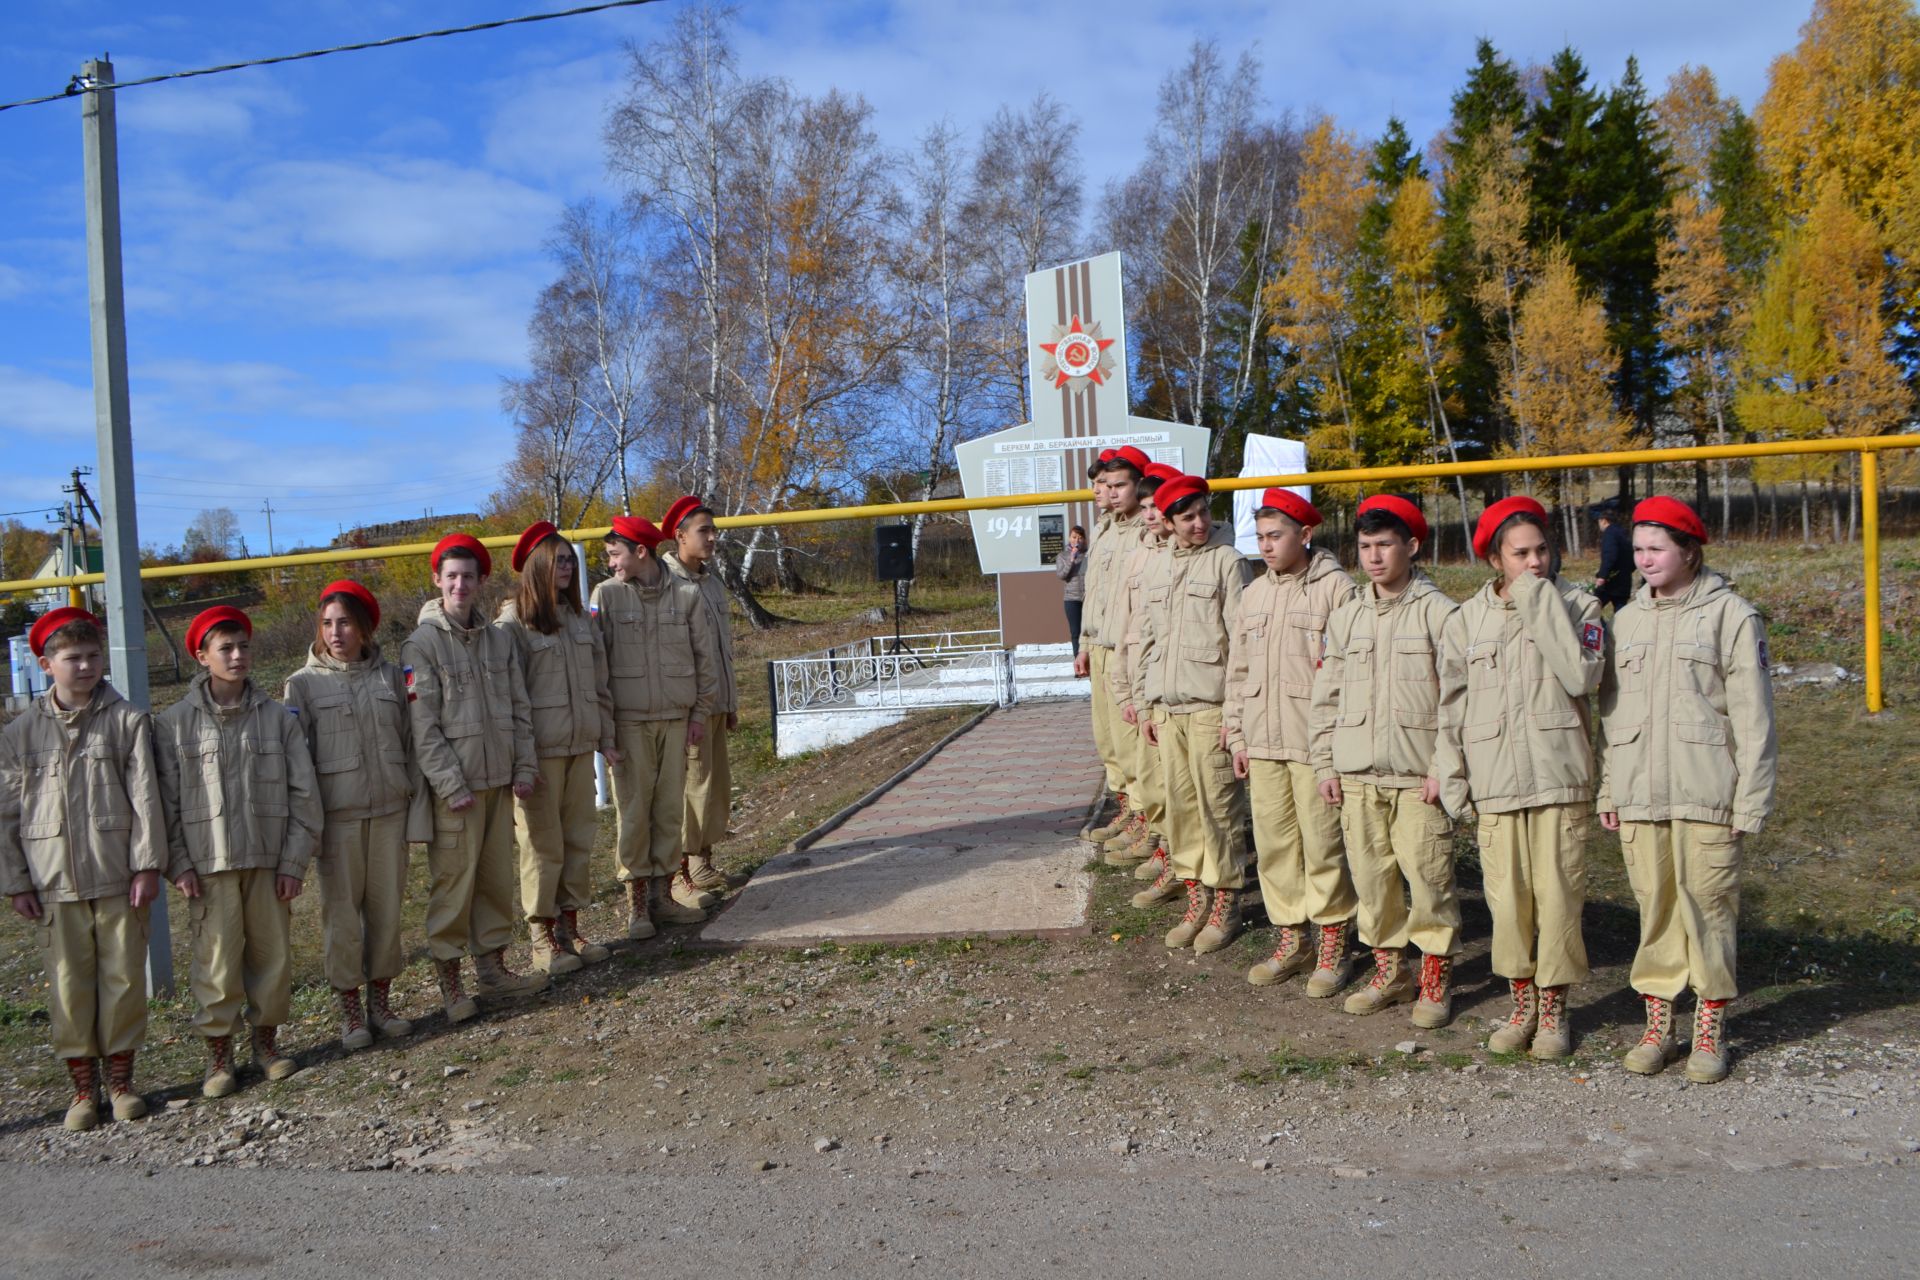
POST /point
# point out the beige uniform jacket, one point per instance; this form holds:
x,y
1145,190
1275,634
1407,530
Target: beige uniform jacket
x,y
1113,538
238,785
1129,607
661,653
1515,677
726,695
472,728
1376,701
1686,708
1276,652
566,675
1192,602
358,732
80,811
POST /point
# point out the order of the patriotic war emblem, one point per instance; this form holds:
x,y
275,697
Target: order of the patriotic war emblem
x,y
1076,356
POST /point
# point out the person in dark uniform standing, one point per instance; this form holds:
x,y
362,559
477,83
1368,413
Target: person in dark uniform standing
x,y
1614,583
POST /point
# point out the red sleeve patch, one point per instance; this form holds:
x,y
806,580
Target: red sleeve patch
x,y
1593,637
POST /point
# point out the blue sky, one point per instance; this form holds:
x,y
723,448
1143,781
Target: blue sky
x,y
330,263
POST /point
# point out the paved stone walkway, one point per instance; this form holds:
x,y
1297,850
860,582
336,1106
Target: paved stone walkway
x,y
982,839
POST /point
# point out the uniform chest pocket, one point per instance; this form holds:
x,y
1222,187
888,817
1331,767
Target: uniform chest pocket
x,y
1358,657
1630,667
200,789
1413,659
1254,625
267,759
106,789
1483,665
676,647
1699,666
547,658
1306,633
43,800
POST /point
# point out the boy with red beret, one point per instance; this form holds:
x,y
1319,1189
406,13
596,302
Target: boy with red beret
x,y
1521,656
473,741
709,785
1376,723
1140,845
1278,642
243,820
663,677
1193,598
82,847
1116,486
1688,770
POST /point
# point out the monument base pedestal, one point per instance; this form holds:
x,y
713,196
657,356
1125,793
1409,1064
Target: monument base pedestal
x,y
1032,609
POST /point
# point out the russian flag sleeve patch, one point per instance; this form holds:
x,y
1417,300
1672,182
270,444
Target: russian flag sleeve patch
x,y
1593,637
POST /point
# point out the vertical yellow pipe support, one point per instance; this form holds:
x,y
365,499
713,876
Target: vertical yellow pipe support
x,y
1870,544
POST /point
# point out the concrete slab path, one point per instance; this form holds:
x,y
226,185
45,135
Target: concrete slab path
x,y
982,839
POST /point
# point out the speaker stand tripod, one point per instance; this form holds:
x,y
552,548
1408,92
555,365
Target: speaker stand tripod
x,y
897,646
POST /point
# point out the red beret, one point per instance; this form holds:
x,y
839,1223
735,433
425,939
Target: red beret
x,y
1291,505
1670,513
1496,515
348,587
639,531
680,510
1178,488
1407,513
207,619
51,621
463,542
1106,455
1159,471
1132,457
537,532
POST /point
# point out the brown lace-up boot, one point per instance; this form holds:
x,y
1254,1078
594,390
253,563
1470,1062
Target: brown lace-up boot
x,y
550,954
1707,1064
380,1010
639,916
569,933
493,978
267,1057
127,1104
353,1023
1199,901
1434,1008
83,1113
1515,1033
1332,964
1392,983
458,1004
1554,1039
1658,1046
1223,922
1291,956
1114,825
220,1079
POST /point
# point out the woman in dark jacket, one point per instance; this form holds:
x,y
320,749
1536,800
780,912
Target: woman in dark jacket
x,y
1072,568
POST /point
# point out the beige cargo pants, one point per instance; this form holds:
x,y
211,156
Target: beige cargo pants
x,y
1399,847
363,886
649,790
1106,716
96,957
554,828
1534,865
470,906
1296,841
709,791
1686,878
1206,808
240,956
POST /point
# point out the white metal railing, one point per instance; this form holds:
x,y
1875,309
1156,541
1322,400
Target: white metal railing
x,y
870,673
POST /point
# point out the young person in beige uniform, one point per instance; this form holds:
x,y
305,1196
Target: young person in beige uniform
x,y
1376,720
1277,646
1688,769
1141,844
82,847
243,820
473,742
564,662
1116,486
1193,597
662,658
1522,656
352,704
709,787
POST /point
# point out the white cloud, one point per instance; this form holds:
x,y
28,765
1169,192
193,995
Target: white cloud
x,y
548,124
36,404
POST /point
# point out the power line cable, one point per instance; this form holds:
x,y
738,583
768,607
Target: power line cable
x,y
80,85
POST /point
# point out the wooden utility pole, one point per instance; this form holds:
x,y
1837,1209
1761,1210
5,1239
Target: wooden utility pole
x,y
113,429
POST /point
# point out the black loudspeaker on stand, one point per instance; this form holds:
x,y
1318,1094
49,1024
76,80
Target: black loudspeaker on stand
x,y
893,562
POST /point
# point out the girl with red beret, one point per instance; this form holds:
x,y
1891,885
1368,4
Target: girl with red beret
x,y
565,665
352,704
1687,771
1519,659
